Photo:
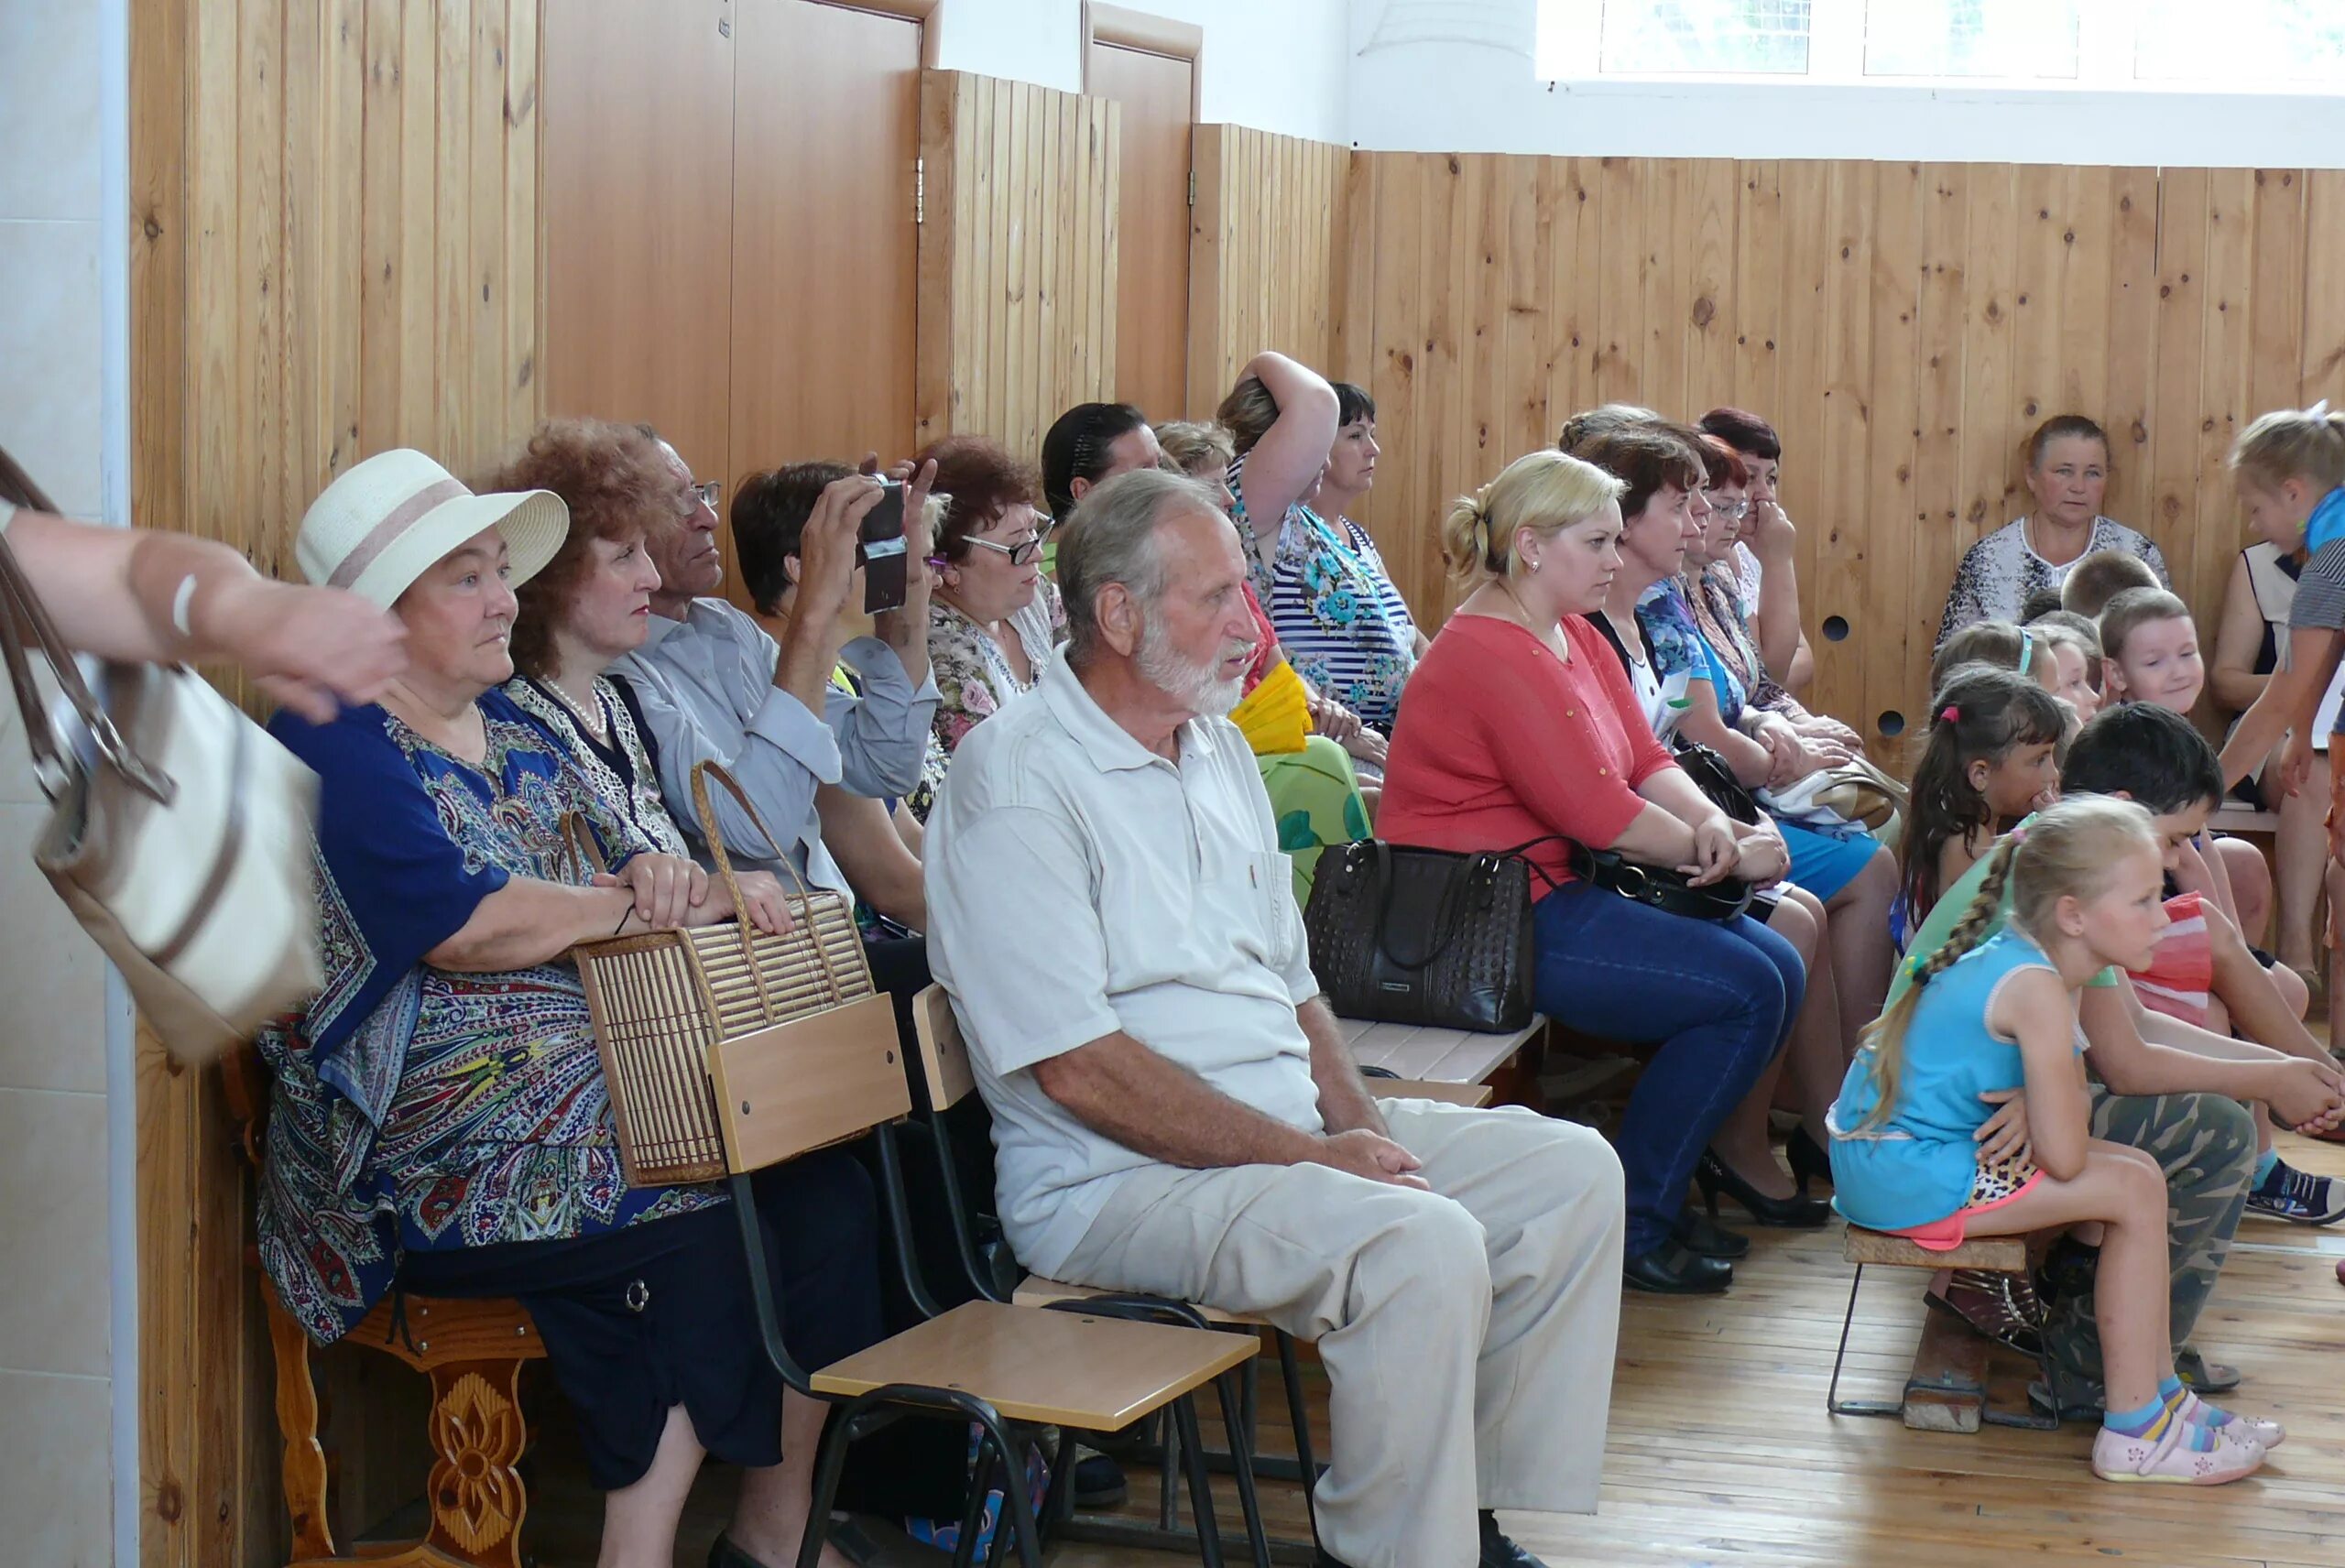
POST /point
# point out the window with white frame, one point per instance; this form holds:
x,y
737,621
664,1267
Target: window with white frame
x,y
2288,46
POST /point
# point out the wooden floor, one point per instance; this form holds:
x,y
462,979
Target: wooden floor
x,y
1721,1452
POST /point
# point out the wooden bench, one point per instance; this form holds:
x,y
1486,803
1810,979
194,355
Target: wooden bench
x,y
1435,1055
1947,1388
2238,820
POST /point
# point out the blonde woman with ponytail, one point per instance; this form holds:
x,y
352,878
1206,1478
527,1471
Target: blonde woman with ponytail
x,y
2289,470
1520,730
1990,1013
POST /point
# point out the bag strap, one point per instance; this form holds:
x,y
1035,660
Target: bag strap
x,y
703,771
24,624
582,858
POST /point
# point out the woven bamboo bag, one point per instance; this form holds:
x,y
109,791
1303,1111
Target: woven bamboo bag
x,y
699,1030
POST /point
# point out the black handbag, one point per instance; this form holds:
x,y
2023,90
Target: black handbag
x,y
1403,934
1715,778
1661,887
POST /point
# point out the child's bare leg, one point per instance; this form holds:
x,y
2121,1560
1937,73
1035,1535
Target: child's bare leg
x,y
2257,1000
2302,849
2124,1190
2251,880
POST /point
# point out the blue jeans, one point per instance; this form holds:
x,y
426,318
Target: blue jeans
x,y
1718,996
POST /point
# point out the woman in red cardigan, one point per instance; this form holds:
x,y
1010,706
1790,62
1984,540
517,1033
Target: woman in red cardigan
x,y
1519,723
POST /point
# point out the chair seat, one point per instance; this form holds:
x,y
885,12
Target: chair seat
x,y
1434,1055
1053,1368
1997,1254
1036,1292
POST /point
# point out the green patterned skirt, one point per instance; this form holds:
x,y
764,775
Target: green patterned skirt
x,y
1315,797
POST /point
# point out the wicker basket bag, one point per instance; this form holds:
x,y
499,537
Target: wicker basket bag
x,y
699,1028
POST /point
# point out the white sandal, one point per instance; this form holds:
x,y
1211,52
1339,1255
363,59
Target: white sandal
x,y
2168,1457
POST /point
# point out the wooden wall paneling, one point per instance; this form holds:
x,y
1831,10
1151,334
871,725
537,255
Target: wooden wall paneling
x,y
1527,187
638,220
454,320
2039,218
1480,281
2224,372
1712,201
1619,368
2323,356
524,219
1209,238
825,135
1352,348
1396,507
1848,550
1664,312
2132,341
1446,472
1582,284
1988,465
2276,297
2183,194
1882,632
2087,281
1758,288
1808,490
1570,289
1939,502
1152,288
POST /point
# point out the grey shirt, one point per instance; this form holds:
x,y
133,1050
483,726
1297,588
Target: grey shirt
x,y
705,684
1080,884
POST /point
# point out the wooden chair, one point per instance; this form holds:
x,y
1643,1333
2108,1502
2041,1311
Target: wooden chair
x,y
472,1351
1947,1389
768,1096
945,1080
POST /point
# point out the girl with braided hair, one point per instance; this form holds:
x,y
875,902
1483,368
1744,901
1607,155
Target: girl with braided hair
x,y
1987,1014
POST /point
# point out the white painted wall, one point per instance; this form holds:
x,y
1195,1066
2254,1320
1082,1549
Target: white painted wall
x,y
1416,85
1277,65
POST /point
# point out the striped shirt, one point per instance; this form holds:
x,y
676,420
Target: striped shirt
x,y
1342,625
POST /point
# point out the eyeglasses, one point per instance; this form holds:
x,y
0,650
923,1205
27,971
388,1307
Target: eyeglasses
x,y
1021,553
708,493
1730,508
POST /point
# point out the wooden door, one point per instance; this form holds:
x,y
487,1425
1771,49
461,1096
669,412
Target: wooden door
x,y
638,174
826,250
1152,233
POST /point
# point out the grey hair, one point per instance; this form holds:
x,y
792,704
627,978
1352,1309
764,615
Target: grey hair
x,y
1112,538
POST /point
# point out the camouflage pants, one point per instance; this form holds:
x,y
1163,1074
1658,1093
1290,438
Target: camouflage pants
x,y
2206,1144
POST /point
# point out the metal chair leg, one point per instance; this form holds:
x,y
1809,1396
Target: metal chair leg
x,y
829,1464
1200,1482
973,1508
1832,1400
1298,1412
2027,1420
1242,1450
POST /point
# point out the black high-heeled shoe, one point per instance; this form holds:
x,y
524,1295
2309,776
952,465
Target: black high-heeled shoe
x,y
1670,1270
1779,1213
1809,1160
1705,1237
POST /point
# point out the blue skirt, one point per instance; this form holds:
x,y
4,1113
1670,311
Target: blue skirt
x,y
1824,865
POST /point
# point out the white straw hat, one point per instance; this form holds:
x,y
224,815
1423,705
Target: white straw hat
x,y
383,524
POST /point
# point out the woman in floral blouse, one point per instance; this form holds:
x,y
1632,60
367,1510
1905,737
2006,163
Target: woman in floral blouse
x,y
994,618
439,1119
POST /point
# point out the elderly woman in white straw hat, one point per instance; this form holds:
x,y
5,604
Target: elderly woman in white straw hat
x,y
440,1119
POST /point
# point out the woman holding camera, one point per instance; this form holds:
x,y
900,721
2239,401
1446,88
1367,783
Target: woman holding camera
x,y
1520,727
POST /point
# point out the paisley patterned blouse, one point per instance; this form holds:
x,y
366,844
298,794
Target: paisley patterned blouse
x,y
418,1108
974,678
1343,624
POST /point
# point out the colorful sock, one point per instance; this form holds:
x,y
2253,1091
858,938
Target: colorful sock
x,y
2151,1420
2178,1397
2266,1165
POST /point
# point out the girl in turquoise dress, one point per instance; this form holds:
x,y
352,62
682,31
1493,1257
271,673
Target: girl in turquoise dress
x,y
1993,1012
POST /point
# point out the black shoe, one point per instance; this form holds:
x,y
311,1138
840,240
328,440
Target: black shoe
x,y
1809,1163
1778,1213
1670,1270
1320,1559
1705,1237
1098,1482
1498,1551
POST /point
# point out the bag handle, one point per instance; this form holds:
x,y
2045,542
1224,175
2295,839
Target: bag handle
x,y
1444,929
703,771
582,858
25,623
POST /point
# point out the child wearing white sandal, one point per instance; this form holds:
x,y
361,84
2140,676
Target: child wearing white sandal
x,y
1999,1014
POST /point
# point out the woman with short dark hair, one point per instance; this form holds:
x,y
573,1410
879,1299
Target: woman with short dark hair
x,y
2067,475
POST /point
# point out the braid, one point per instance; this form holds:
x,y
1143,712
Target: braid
x,y
1886,1039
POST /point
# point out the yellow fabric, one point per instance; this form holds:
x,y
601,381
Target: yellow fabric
x,y
1275,715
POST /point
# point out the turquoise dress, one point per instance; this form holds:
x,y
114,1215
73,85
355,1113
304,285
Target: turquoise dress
x,y
1919,1165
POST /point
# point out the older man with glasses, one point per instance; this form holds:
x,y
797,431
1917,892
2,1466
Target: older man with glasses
x,y
715,687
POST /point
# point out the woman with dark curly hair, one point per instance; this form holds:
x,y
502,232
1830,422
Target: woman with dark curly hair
x,y
994,618
591,604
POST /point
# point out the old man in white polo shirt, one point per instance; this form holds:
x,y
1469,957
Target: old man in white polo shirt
x,y
1174,1109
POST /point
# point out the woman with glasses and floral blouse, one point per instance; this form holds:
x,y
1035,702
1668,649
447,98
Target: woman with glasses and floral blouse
x,y
994,619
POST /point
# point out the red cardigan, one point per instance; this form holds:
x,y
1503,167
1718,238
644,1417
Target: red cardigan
x,y
1499,741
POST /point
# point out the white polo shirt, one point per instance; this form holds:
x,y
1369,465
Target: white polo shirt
x,y
1079,885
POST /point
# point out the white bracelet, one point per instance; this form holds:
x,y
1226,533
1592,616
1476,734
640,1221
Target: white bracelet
x,y
179,602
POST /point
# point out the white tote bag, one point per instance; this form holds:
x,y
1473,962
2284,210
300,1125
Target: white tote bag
x,y
179,835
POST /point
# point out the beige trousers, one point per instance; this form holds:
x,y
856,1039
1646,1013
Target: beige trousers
x,y
1467,1332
